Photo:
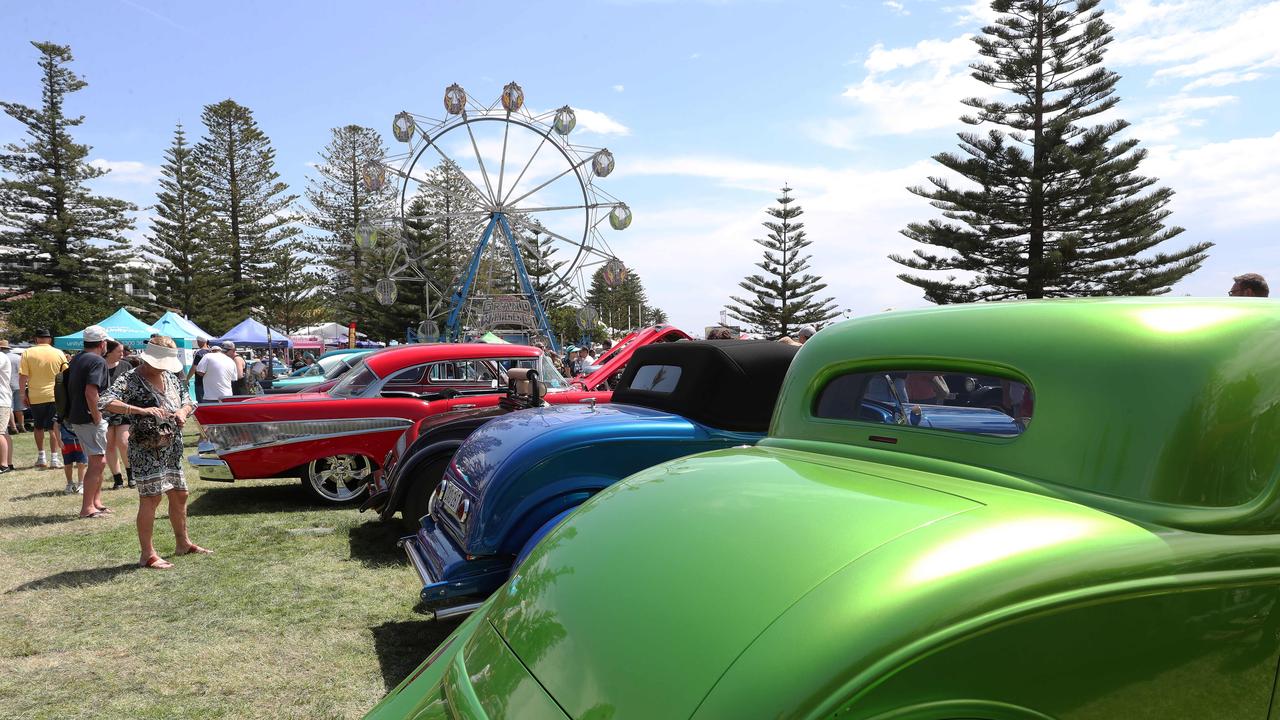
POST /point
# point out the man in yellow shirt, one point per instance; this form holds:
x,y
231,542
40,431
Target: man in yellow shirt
x,y
40,364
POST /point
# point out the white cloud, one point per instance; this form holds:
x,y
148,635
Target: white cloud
x,y
126,171
1221,79
906,90
896,6
1197,38
1175,114
1223,185
597,122
618,88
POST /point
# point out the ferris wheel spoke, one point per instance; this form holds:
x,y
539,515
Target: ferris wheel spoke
x,y
483,172
571,168
581,243
524,170
502,166
474,201
555,208
453,215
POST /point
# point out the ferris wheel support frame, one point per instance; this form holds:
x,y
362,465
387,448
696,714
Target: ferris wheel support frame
x,y
453,326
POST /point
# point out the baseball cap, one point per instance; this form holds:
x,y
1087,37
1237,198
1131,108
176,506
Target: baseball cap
x,y
228,345
94,334
43,332
805,331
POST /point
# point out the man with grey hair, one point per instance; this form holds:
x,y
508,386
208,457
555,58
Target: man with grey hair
x,y
1249,285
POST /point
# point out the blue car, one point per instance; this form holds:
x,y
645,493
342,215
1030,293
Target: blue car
x,y
519,475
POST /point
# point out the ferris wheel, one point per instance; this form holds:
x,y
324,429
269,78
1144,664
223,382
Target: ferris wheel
x,y
517,180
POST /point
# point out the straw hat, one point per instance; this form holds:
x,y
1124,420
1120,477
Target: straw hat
x,y
161,357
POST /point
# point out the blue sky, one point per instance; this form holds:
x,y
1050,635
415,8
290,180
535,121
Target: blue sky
x,y
708,107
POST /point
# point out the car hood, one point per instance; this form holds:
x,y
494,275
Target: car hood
x,y
708,558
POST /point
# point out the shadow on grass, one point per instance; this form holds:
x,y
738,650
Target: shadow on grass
x,y
75,578
31,520
374,544
402,646
41,494
244,500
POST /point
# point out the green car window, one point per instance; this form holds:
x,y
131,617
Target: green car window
x,y
936,399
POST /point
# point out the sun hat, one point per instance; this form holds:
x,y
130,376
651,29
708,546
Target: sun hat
x,y
95,334
161,357
43,332
4,344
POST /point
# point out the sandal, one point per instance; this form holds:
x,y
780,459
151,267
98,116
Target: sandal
x,y
194,549
94,514
155,562
105,510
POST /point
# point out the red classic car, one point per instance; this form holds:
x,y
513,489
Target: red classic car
x,y
604,375
334,440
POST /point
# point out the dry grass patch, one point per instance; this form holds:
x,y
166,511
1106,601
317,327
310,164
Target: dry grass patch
x,y
304,611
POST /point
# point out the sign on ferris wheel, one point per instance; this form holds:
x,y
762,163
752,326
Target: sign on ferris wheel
x,y
523,179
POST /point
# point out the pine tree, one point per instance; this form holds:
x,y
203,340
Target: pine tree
x,y
340,203
180,236
622,305
538,253
1058,209
251,207
782,299
290,294
57,235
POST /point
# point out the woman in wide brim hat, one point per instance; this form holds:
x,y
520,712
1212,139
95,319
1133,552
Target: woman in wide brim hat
x,y
158,403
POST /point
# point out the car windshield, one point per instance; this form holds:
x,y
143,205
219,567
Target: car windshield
x,y
345,363
547,372
355,383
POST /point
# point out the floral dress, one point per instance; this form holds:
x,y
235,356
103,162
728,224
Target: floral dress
x,y
155,445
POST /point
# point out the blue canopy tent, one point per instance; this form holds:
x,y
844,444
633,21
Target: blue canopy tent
x,y
251,333
174,325
121,326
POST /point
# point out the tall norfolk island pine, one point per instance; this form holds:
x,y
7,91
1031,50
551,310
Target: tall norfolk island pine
x,y
1056,207
253,223
180,233
782,298
73,238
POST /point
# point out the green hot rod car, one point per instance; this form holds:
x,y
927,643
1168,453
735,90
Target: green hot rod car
x,y
1114,555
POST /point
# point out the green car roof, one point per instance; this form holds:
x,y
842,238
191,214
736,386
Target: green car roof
x,y
1166,409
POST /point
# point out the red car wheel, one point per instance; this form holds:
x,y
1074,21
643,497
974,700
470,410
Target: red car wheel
x,y
340,479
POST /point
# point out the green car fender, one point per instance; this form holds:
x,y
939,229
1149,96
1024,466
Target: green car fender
x,y
1028,607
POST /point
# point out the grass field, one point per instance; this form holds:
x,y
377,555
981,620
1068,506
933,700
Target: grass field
x,y
303,611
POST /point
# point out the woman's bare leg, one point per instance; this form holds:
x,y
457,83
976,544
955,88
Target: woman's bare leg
x,y
146,526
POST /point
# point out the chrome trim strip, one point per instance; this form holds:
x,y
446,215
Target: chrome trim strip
x,y
419,565
456,610
210,468
392,425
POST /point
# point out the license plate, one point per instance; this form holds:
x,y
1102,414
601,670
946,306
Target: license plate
x,y
452,498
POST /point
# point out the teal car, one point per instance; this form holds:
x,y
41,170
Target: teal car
x,y
1118,556
328,366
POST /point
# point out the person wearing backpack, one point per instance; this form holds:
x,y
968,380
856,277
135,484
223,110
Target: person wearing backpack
x,y
86,378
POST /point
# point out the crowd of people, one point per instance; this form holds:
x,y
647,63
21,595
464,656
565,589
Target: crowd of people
x,y
116,410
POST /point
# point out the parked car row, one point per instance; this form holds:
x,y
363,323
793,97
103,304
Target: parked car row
x,y
1063,509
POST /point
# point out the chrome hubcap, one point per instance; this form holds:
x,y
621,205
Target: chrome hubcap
x,y
341,477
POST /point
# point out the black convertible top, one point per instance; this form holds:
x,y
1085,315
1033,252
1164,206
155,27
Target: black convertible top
x,y
727,384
